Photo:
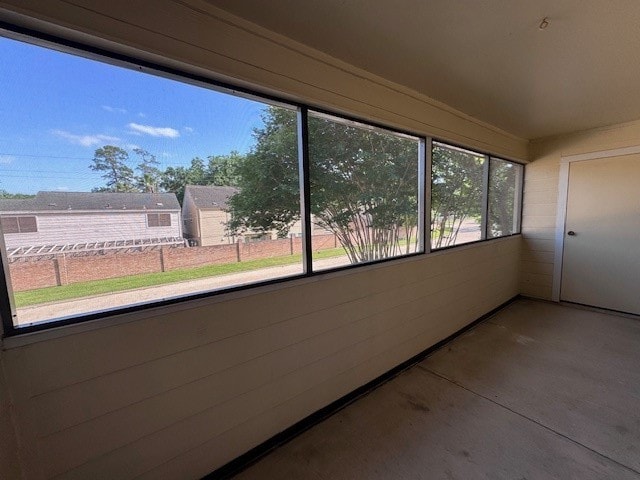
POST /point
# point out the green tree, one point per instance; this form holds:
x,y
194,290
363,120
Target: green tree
x,y
112,161
222,169
267,178
456,192
149,177
503,192
364,185
175,179
5,194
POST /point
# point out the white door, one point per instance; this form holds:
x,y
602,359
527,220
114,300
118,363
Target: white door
x,y
601,259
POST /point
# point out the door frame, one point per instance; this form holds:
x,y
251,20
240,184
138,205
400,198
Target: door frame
x,y
563,197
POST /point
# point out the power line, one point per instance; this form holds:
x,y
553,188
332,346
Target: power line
x,y
43,156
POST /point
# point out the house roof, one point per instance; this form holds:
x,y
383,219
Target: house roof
x,y
210,196
91,201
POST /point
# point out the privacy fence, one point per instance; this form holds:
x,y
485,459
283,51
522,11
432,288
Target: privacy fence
x,y
29,273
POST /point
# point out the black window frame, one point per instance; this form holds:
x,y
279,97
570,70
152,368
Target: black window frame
x,y
484,237
158,220
65,45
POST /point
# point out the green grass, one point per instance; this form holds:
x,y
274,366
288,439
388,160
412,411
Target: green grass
x,y
110,285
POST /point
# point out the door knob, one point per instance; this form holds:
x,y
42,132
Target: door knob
x,y
571,233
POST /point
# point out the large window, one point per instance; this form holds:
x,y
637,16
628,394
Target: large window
x,y
473,196
505,180
456,195
364,191
125,170
151,186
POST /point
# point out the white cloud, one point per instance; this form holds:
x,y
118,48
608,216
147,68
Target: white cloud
x,y
153,131
6,159
85,140
113,109
188,129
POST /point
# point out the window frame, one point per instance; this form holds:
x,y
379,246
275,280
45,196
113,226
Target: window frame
x,y
65,45
158,219
485,194
420,170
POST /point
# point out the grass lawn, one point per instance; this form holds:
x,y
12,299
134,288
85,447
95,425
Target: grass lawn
x,y
97,287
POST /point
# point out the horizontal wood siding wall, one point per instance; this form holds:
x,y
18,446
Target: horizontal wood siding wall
x,y
541,198
64,228
177,395
213,229
9,462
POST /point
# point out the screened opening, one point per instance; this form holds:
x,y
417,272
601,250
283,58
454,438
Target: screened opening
x,y
505,191
457,195
128,171
364,191
149,187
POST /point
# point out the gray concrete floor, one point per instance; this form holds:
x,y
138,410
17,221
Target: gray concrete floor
x,y
538,391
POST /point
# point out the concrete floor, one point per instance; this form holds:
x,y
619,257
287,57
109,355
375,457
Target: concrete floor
x,y
538,391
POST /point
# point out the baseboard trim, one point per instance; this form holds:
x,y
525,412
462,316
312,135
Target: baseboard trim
x,y
247,459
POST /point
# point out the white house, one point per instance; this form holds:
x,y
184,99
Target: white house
x,y
70,218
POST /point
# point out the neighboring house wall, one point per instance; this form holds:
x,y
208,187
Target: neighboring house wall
x,y
212,227
75,227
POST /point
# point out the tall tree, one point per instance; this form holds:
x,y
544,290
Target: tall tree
x,y
112,161
503,192
456,192
222,169
175,179
149,177
267,178
364,185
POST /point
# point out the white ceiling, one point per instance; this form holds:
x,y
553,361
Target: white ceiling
x,y
487,58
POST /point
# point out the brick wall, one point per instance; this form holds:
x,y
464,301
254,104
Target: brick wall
x,y
175,258
83,269
32,272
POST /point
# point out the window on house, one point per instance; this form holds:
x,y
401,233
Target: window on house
x,y
159,219
19,224
457,195
365,192
505,192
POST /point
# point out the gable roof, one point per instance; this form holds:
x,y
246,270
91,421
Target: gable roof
x,y
210,196
91,201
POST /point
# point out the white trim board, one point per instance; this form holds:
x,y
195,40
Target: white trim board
x,y
563,195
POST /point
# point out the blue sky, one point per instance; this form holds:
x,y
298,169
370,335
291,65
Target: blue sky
x,y
56,109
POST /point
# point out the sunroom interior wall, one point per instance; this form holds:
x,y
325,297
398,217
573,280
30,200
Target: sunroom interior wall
x,y
541,197
9,463
175,393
